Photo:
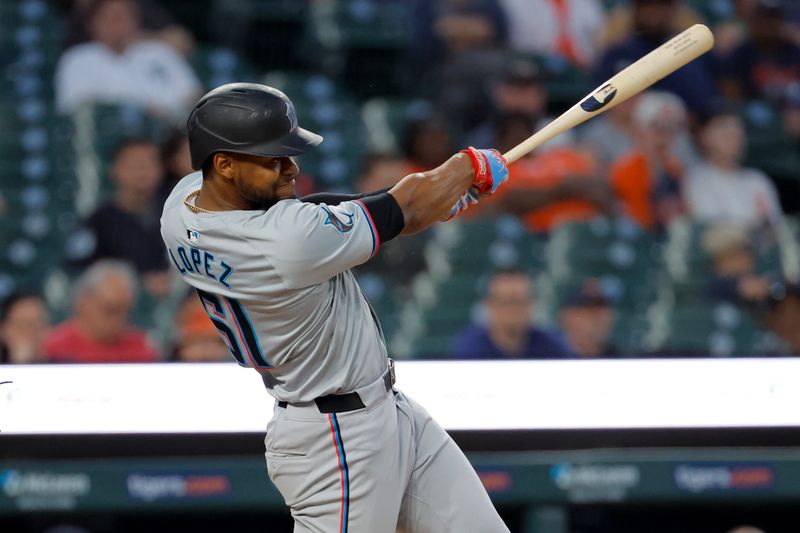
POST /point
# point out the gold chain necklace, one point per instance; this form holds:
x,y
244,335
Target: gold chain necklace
x,y
188,203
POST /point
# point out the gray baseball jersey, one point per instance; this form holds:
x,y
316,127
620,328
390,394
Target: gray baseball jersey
x,y
277,286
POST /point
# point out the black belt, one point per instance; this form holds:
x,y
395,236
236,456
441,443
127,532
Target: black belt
x,y
342,403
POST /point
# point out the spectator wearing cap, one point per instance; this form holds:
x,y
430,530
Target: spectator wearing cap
x,y
24,323
647,180
127,226
99,330
508,332
719,188
119,67
566,28
518,92
765,65
653,24
587,320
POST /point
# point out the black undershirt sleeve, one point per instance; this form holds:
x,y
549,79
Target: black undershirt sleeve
x,y
386,214
382,207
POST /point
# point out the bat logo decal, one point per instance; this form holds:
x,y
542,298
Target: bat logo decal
x,y
599,99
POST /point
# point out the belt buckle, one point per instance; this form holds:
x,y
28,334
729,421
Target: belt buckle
x,y
391,371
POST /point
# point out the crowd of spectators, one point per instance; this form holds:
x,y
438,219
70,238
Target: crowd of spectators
x,y
675,152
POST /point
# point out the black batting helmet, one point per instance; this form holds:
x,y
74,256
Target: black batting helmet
x,y
246,118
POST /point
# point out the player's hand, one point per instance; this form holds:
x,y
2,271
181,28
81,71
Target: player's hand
x,y
489,167
470,198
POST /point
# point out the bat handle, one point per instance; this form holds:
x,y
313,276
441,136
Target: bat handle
x,y
514,154
529,145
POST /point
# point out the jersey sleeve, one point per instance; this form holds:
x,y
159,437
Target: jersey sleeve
x,y
311,243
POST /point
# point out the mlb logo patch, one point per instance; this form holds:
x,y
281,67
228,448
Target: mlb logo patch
x,y
193,235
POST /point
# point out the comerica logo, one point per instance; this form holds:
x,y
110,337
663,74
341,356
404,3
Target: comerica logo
x,y
567,476
15,483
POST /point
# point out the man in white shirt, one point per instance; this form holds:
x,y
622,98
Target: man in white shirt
x,y
118,67
719,188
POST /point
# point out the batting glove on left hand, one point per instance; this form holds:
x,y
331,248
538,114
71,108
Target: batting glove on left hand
x,y
470,198
490,168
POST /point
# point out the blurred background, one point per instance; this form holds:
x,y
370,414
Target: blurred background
x,y
667,227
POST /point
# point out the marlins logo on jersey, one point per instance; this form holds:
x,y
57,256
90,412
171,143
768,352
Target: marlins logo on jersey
x,y
333,220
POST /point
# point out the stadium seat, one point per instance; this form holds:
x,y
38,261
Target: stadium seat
x,y
720,330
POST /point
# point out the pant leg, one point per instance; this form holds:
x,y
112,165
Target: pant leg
x,y
340,472
444,494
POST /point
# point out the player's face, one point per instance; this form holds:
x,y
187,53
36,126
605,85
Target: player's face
x,y
263,181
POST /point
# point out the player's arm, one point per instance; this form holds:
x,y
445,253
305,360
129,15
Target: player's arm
x,y
429,197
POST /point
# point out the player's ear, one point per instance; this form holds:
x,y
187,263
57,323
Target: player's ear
x,y
223,165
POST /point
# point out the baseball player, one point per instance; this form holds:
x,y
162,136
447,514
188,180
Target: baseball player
x,y
347,451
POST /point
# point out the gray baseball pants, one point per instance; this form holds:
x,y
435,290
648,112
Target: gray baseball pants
x,y
372,470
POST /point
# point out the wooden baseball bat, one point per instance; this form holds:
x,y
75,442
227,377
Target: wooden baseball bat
x,y
637,77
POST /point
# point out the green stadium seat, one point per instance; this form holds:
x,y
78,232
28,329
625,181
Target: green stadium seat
x,y
216,66
616,252
719,330
432,346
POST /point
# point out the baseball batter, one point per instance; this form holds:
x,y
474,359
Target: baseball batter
x,y
347,451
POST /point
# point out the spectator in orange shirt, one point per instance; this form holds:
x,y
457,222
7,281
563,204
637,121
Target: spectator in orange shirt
x,y
647,180
556,183
99,330
549,187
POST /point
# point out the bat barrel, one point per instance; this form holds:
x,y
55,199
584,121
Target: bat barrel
x,y
664,60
